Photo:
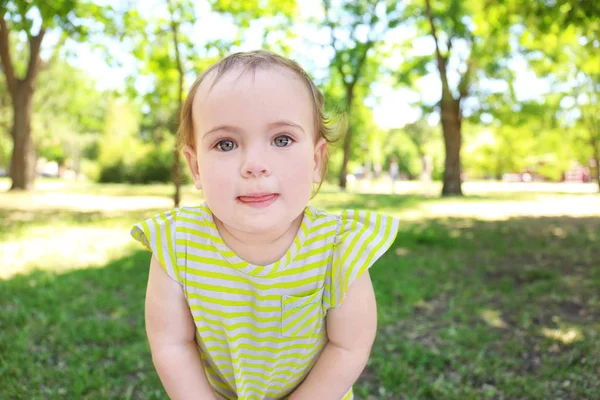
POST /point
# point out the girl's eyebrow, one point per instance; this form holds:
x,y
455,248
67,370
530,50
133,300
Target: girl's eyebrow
x,y
235,129
285,122
228,128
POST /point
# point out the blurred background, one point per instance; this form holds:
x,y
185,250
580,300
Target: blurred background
x,y
476,123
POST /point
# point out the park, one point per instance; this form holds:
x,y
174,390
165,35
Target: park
x,y
475,124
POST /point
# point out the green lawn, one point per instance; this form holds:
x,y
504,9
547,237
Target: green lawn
x,y
492,296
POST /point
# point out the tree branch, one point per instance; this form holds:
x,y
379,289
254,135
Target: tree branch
x,y
23,14
361,61
327,6
337,62
35,43
5,58
441,60
368,45
372,21
465,80
54,56
175,31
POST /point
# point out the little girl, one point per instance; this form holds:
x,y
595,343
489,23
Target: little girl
x,y
254,294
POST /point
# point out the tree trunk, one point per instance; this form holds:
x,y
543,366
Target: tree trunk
x,y
596,157
176,172
22,163
347,149
451,126
176,168
347,137
450,114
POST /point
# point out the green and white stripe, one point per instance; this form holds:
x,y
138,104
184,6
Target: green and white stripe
x,y
261,328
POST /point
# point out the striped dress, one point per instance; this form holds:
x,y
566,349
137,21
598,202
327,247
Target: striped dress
x,y
261,328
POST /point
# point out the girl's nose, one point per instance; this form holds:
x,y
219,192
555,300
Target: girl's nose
x,y
255,165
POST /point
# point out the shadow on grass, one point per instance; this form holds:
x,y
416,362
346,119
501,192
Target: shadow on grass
x,y
77,335
467,309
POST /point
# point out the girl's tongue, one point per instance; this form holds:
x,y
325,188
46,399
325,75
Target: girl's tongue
x,y
259,199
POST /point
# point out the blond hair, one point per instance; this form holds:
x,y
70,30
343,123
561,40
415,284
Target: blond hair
x,y
250,61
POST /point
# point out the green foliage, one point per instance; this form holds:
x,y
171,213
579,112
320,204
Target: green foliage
x,y
356,29
69,113
124,157
244,12
399,145
79,20
5,150
149,164
480,40
156,165
68,110
120,149
334,165
561,43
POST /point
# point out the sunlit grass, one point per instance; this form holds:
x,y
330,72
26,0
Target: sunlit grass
x,y
565,335
493,318
74,248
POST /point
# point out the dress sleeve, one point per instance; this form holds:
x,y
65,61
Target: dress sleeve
x,y
362,239
157,234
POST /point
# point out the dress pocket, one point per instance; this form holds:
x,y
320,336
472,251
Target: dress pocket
x,y
300,316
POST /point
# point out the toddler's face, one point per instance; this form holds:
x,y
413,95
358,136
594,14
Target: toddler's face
x,y
256,150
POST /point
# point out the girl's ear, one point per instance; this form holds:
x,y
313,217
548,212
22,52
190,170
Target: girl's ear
x,y
192,161
320,156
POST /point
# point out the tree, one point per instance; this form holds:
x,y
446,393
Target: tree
x,y
450,104
449,24
590,119
67,18
469,48
69,113
165,60
175,15
567,34
364,24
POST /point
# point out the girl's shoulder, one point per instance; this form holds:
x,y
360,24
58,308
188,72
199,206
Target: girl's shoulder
x,y
360,238
159,232
168,221
355,223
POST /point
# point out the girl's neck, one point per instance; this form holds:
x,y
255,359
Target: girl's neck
x,y
260,249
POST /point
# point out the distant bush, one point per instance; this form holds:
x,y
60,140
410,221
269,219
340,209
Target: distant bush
x,y
153,167
150,166
90,169
138,163
114,172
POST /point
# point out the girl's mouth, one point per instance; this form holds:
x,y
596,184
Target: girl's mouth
x,y
259,200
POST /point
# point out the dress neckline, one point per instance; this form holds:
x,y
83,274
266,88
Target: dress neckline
x,y
244,266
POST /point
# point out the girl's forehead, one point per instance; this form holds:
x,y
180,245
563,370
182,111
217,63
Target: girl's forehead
x,y
242,91
256,79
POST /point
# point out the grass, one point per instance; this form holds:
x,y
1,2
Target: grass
x,y
478,309
493,296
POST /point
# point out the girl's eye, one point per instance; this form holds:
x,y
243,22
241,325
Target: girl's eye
x,y
283,141
226,145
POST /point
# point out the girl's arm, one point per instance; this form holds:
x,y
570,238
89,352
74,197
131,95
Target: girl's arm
x,y
351,330
171,331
